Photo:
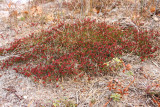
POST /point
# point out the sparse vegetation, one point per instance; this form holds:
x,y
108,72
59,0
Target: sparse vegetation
x,y
83,49
116,96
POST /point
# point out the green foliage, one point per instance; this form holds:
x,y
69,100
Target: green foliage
x,y
113,66
64,102
22,18
130,73
115,96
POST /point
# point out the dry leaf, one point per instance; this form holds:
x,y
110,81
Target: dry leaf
x,y
98,8
9,4
105,105
128,67
25,13
13,13
152,9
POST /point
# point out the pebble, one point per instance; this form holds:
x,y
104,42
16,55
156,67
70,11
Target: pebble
x,y
155,18
25,97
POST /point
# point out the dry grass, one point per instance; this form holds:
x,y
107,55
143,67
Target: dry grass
x,y
84,92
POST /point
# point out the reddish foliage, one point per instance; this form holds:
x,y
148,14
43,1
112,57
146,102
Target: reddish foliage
x,y
70,49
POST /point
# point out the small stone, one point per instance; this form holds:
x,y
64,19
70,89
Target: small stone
x,y
155,18
25,97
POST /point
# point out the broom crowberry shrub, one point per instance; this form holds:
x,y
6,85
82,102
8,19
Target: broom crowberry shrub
x,y
75,49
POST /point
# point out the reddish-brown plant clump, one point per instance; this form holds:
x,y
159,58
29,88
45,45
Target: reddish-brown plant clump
x,y
76,49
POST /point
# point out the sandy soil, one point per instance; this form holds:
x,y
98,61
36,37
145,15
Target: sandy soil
x,y
19,91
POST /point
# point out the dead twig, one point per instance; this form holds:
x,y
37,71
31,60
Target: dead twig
x,y
155,64
11,90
